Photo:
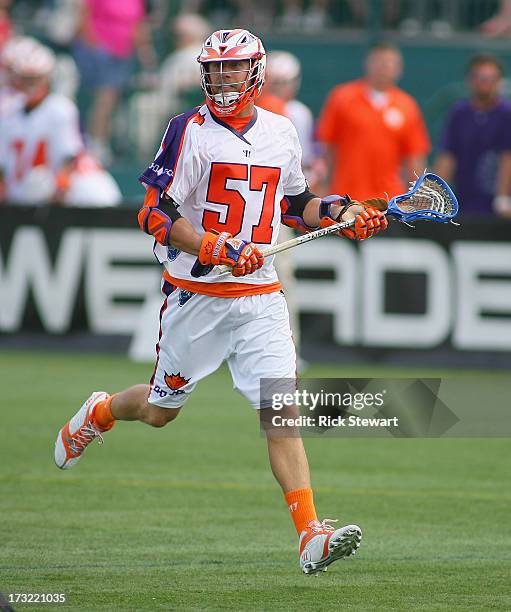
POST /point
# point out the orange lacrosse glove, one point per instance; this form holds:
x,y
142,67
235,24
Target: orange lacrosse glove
x,y
367,223
222,249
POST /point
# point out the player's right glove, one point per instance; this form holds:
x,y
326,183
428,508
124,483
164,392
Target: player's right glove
x,y
222,249
368,222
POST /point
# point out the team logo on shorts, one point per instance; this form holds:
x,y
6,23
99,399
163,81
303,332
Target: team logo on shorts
x,y
175,382
172,253
184,296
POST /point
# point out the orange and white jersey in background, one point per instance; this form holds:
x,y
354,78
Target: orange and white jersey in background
x,y
228,181
46,136
10,100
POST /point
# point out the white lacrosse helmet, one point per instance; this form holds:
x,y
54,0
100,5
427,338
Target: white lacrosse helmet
x,y
232,45
16,46
283,67
32,60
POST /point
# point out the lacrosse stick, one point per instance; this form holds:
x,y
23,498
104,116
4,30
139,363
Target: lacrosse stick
x,y
429,199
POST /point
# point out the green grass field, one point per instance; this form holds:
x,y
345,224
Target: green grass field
x,y
188,517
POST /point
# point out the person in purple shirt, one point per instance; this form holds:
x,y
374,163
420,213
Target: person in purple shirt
x,y
475,147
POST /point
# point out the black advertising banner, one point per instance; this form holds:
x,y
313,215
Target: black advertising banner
x,y
63,270
435,287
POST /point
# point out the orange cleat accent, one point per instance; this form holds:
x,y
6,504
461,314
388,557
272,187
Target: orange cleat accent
x,y
79,432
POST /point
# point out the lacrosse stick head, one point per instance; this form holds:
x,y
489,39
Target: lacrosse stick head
x,y
430,199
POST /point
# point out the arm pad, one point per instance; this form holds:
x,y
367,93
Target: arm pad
x,y
292,208
157,215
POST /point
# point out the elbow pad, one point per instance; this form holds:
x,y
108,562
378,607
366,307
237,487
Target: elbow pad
x,y
296,223
292,208
157,216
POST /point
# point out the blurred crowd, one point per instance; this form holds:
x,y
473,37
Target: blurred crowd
x,y
65,66
411,17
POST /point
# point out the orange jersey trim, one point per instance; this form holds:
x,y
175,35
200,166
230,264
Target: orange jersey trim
x,y
225,290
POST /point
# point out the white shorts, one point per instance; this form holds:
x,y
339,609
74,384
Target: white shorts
x,y
198,333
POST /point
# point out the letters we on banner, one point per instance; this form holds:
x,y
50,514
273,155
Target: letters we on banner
x,y
70,269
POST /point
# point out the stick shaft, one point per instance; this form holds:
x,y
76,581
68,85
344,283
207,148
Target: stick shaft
x,y
289,244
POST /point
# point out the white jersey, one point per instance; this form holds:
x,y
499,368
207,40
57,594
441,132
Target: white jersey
x,y
228,181
46,136
10,100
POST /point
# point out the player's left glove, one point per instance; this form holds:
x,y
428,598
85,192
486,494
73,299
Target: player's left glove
x,y
222,249
368,222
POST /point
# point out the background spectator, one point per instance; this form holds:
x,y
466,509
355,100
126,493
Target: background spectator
x,y
373,131
361,11
5,23
41,136
283,80
180,80
475,148
271,102
11,98
500,23
176,87
150,98
109,33
297,15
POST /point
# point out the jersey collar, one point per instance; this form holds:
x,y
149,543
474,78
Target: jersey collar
x,y
240,134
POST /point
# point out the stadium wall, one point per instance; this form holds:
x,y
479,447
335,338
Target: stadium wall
x,y
434,294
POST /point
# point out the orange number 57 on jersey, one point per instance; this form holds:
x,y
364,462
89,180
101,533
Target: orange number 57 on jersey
x,y
261,178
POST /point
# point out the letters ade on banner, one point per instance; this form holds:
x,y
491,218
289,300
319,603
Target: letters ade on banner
x,y
427,288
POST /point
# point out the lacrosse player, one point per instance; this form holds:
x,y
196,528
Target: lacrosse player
x,y
226,174
41,134
42,157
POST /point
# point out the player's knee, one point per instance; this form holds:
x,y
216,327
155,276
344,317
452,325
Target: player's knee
x,y
159,417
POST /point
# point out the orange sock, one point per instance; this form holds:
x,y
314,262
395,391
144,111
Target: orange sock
x,y
301,506
103,416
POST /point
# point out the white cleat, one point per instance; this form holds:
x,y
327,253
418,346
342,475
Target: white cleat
x,y
321,544
78,433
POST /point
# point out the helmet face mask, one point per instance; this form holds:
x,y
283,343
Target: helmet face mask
x,y
232,71
33,88
228,85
